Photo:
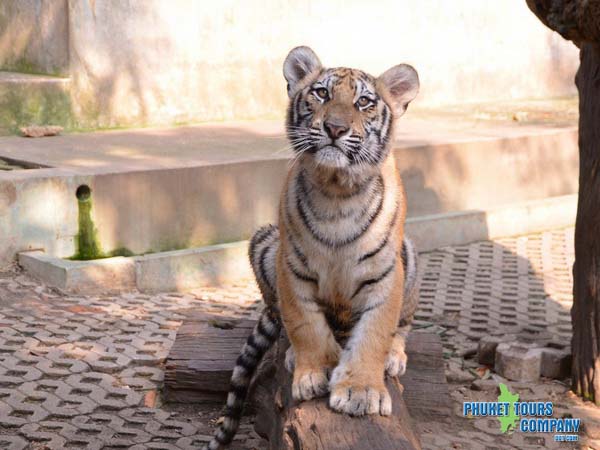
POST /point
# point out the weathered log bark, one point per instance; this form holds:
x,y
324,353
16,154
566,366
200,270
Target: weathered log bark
x,y
585,314
313,426
579,21
200,362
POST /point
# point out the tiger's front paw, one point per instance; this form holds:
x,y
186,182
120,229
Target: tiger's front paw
x,y
309,384
395,363
360,400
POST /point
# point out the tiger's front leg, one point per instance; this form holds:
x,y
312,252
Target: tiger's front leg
x,y
357,383
314,346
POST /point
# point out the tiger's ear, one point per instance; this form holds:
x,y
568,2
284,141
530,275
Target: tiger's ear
x,y
299,62
402,83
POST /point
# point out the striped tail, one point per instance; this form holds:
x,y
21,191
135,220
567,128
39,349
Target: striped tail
x,y
262,252
262,338
410,259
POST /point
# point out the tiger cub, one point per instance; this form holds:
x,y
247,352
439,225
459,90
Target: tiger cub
x,y
337,272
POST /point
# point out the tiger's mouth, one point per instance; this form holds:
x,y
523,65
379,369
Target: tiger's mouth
x,y
331,156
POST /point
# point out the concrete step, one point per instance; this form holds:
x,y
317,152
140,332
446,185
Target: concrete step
x,y
166,189
33,100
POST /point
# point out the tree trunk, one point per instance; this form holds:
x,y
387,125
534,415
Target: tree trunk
x,y
585,314
579,21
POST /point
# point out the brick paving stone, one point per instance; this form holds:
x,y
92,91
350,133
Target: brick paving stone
x,y
507,285
8,442
142,378
104,389
97,356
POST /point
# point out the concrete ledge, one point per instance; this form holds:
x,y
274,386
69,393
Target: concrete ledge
x,y
186,269
85,277
457,228
182,270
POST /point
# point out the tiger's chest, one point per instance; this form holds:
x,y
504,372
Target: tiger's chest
x,y
337,274
337,243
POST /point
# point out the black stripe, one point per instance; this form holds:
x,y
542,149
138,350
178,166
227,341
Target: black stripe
x,y
251,341
240,391
383,243
272,313
224,437
244,362
358,314
255,352
260,236
341,243
372,307
264,332
375,280
233,411
387,135
377,249
301,256
384,120
297,107
300,275
261,266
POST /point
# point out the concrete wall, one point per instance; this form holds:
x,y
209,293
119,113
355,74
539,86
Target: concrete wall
x,y
152,61
34,36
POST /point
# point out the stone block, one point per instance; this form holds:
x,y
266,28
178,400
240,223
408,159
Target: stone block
x,y
518,361
486,349
555,363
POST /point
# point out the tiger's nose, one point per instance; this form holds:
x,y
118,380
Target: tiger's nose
x,y
335,130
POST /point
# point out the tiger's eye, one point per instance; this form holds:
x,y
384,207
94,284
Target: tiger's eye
x,y
322,93
363,101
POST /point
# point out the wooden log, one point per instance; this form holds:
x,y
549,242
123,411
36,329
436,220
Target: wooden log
x,y
199,365
425,386
311,425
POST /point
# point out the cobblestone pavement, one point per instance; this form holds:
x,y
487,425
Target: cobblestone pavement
x,y
86,372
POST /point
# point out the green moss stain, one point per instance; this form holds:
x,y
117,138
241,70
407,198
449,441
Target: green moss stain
x,y
27,104
23,65
87,244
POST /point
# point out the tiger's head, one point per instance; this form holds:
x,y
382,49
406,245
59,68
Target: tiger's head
x,y
342,118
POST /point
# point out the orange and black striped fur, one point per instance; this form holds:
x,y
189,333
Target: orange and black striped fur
x,y
337,272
